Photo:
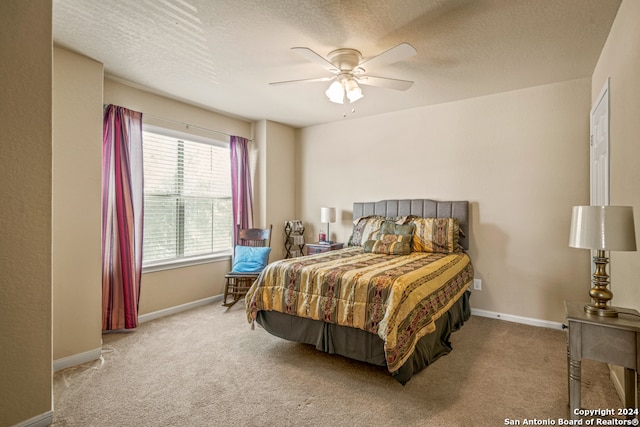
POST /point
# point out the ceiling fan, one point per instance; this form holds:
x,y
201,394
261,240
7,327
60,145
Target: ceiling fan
x,y
348,68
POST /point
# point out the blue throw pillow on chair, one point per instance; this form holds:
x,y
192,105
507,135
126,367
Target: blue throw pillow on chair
x,y
250,259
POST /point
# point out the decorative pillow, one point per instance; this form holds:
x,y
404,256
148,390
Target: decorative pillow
x,y
390,244
250,259
389,227
368,227
365,228
436,235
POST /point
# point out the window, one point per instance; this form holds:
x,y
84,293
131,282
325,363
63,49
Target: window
x,y
187,196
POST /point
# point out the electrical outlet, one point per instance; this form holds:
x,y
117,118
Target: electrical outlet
x,y
477,284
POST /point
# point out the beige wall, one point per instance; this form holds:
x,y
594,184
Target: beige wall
x,y
520,157
275,188
169,288
620,61
77,154
25,211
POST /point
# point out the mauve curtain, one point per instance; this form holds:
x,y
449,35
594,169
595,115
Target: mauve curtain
x,y
122,209
241,192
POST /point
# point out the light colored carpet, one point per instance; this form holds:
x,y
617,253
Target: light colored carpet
x,y
206,367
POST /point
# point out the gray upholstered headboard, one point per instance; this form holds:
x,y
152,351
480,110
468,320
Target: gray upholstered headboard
x,y
420,207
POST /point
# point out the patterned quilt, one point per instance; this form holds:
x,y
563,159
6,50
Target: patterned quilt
x,y
397,297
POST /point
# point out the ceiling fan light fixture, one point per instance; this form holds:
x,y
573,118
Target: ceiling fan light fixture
x,y
353,90
348,68
335,93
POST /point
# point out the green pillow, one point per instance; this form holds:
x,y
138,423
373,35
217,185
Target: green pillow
x,y
389,227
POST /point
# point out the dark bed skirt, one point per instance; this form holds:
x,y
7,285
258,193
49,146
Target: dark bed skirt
x,y
365,346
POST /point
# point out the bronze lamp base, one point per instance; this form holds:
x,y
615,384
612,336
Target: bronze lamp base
x,y
600,294
601,311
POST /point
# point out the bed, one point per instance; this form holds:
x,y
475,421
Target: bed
x,y
375,300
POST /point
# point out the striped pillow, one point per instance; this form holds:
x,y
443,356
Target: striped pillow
x,y
390,244
436,235
364,229
368,227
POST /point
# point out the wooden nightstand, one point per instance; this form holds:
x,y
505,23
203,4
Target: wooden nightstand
x,y
316,248
614,340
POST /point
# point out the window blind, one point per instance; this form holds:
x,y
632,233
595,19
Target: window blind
x,y
187,195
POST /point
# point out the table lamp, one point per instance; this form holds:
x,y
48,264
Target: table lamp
x,y
602,228
328,215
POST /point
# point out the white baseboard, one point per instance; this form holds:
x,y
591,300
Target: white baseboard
x,y
517,319
178,308
91,355
616,374
42,420
77,359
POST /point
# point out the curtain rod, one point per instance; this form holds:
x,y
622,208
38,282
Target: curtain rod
x,y
187,125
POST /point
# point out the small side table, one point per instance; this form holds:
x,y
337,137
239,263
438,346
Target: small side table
x,y
614,340
317,247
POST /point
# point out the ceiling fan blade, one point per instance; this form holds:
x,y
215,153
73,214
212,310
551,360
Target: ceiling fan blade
x,y
319,79
312,56
395,84
395,54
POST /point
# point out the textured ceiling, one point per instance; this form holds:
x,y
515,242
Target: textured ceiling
x,y
222,54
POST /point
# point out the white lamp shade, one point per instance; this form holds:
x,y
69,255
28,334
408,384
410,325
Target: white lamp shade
x,y
354,94
606,228
353,90
327,215
335,93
